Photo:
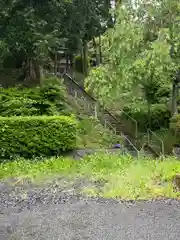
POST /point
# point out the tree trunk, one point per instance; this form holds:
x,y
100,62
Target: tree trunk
x,y
82,59
32,72
96,52
67,62
71,60
100,52
85,57
55,63
108,8
37,70
149,115
59,66
174,99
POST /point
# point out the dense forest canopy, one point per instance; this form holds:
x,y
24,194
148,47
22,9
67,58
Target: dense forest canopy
x,y
30,30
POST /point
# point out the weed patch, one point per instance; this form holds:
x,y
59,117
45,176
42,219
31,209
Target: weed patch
x,y
110,176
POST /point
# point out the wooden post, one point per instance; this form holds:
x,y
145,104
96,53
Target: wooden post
x,y
95,111
75,94
105,124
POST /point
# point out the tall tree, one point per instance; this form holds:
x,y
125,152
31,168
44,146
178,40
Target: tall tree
x,y
143,47
93,18
29,29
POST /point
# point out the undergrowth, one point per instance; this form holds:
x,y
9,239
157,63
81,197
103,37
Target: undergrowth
x,y
91,134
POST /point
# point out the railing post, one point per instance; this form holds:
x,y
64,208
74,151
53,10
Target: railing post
x,y
75,94
91,109
84,103
162,148
110,127
129,142
95,110
159,139
136,131
105,124
148,132
134,121
115,131
88,108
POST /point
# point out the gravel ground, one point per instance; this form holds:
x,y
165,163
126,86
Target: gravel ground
x,y
56,210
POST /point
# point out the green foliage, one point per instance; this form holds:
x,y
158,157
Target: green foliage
x,y
48,99
160,116
175,123
53,90
120,50
31,31
91,134
175,130
30,137
163,93
96,76
137,56
27,29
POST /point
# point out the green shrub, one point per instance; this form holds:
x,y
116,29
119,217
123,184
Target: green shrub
x,y
175,123
30,137
48,99
91,134
53,90
175,128
160,116
163,93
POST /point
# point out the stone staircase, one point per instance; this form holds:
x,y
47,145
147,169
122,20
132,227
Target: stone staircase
x,y
130,134
128,139
111,119
92,108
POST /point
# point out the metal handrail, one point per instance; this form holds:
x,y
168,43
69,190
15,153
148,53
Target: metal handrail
x,y
134,120
113,128
162,142
93,99
82,89
105,110
131,144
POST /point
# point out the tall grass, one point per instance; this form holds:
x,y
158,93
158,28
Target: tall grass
x,y
123,177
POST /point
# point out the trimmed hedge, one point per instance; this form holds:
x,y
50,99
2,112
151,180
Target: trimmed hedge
x,y
36,136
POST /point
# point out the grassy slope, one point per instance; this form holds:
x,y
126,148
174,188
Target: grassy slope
x,y
91,134
121,175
